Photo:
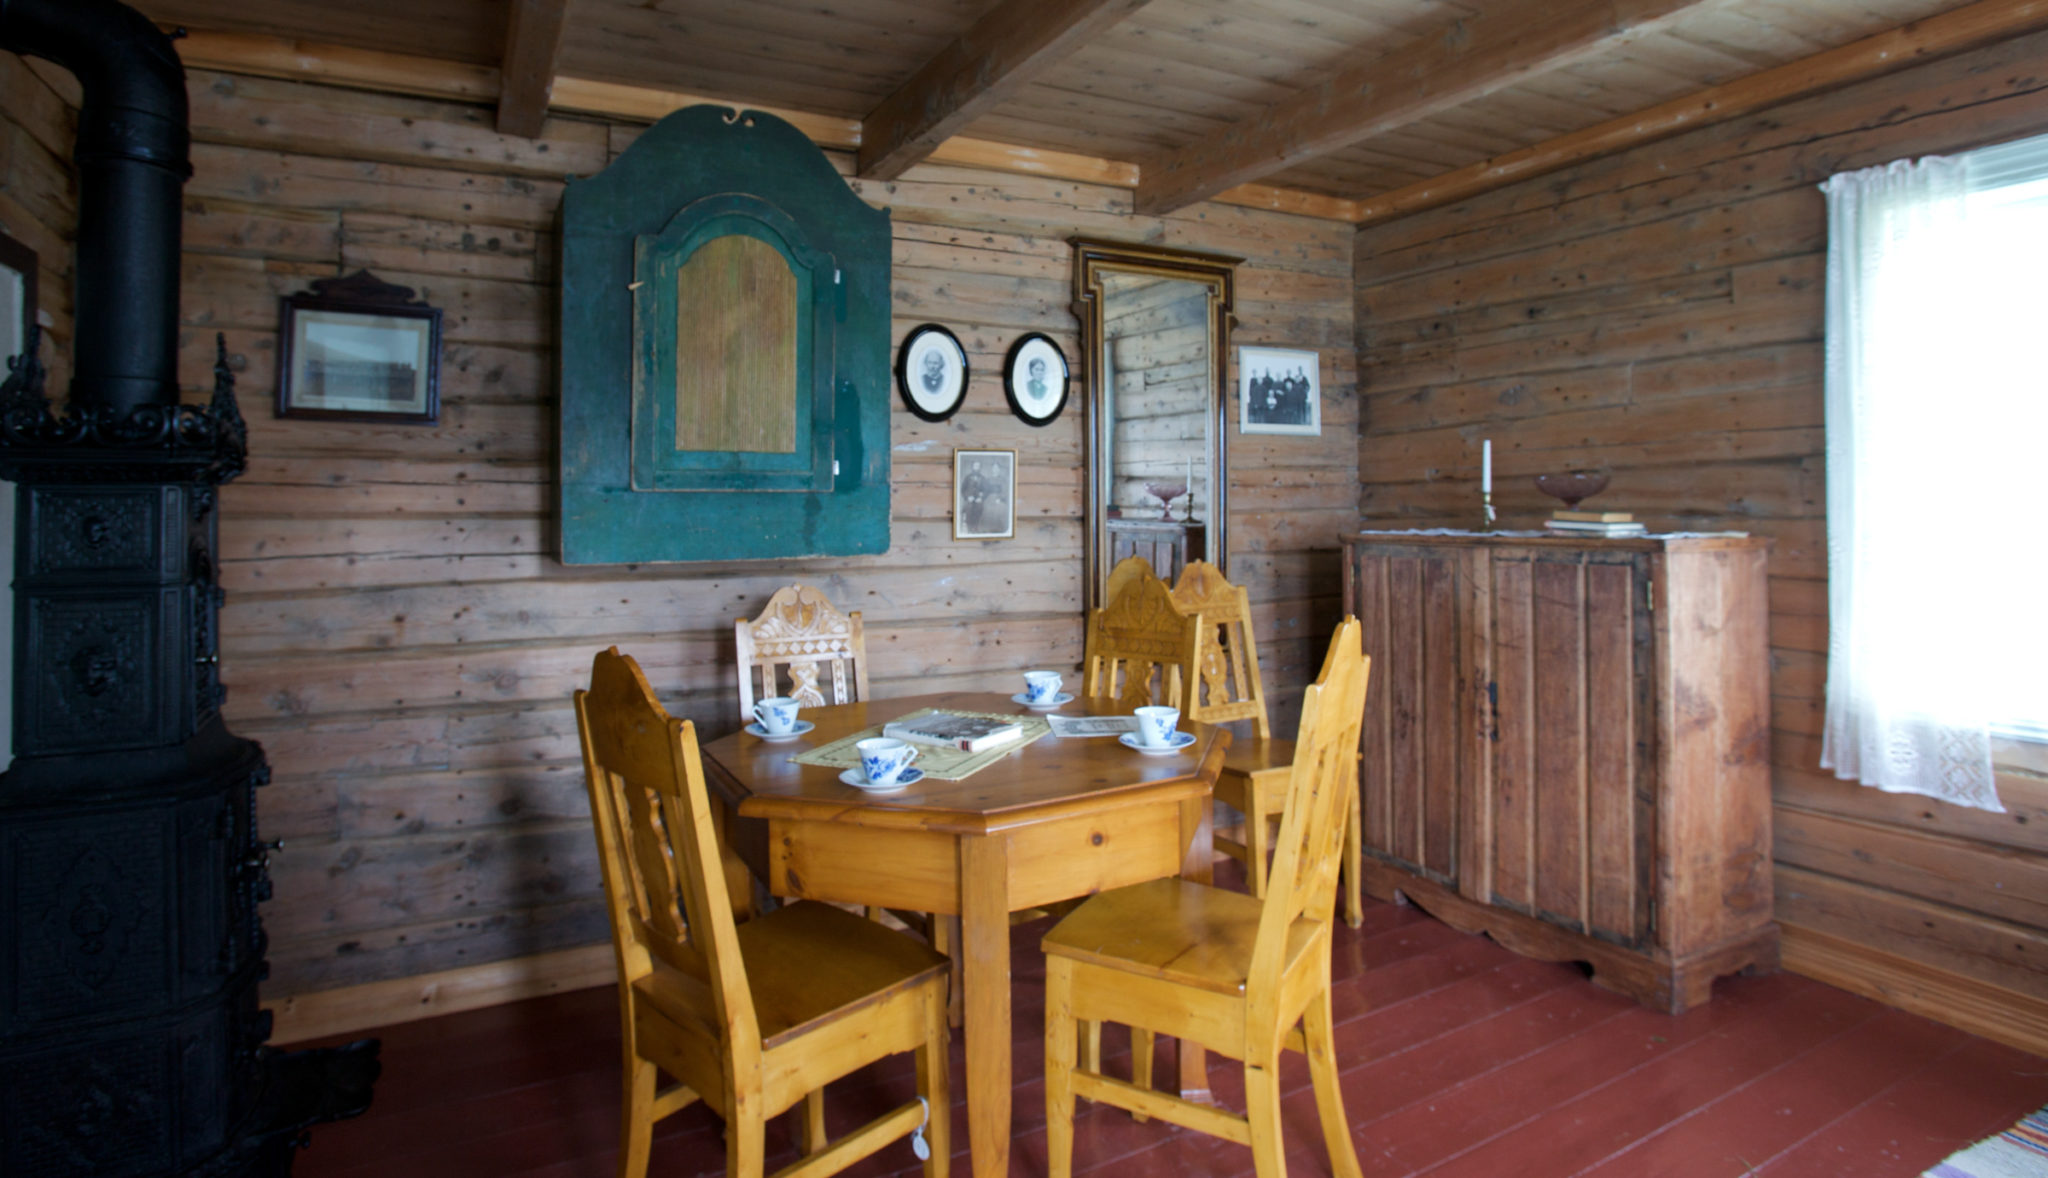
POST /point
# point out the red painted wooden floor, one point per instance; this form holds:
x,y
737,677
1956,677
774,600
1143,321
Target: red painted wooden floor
x,y
1460,1059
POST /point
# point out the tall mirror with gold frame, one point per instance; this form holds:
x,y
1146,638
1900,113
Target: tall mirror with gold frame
x,y
1155,346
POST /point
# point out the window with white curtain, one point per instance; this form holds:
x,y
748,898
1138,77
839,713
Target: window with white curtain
x,y
1937,448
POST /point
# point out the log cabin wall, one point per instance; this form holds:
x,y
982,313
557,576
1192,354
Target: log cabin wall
x,y
38,197
1659,313
1157,335
397,633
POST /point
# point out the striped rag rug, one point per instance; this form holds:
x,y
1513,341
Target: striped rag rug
x,y
2019,1152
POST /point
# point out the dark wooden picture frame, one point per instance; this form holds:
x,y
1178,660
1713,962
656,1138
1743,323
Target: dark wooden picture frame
x,y
19,260
932,372
390,348
1033,406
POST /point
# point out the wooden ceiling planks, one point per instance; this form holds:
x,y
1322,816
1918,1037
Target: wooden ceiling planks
x,y
1432,75
1180,93
999,54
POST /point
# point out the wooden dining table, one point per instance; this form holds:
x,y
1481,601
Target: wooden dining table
x,y
1053,820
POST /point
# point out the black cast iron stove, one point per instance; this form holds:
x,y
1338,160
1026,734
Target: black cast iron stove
x,y
130,950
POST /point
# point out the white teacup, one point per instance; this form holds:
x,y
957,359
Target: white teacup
x,y
1041,687
776,714
884,758
1156,725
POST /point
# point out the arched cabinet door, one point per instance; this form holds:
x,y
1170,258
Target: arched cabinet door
x,y
724,350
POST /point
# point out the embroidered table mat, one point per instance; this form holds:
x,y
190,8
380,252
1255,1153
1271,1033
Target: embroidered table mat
x,y
939,762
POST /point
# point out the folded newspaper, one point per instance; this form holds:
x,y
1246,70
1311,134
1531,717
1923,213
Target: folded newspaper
x,y
1067,727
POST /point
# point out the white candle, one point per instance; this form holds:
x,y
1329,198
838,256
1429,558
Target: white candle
x,y
1486,466
1191,484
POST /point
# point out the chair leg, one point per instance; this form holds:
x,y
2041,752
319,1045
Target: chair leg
x,y
1258,838
636,1133
1091,1046
1262,1110
1318,1030
746,1148
946,940
1060,1042
1354,862
810,1123
933,1084
1141,1064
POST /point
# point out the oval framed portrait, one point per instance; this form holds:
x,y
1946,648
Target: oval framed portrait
x,y
931,372
1035,379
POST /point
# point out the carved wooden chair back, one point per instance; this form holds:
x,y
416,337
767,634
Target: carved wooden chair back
x,y
824,651
1127,570
1309,849
1139,648
1226,685
830,992
657,845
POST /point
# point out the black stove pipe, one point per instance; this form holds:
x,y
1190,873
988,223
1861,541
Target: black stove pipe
x,y
133,159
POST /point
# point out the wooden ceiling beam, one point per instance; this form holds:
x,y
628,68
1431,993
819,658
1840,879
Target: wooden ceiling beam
x,y
393,73
1909,44
533,50
1502,47
1012,44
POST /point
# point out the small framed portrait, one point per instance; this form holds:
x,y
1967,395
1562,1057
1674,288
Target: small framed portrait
x,y
1279,391
984,494
931,372
360,349
1035,379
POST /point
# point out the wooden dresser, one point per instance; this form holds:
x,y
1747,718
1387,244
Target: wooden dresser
x,y
1167,545
1567,747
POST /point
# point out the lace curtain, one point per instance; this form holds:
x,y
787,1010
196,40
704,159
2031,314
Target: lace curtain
x,y
1933,404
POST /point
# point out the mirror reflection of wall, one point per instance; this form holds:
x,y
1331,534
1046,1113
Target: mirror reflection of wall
x,y
1158,364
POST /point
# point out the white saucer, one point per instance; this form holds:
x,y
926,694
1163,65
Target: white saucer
x,y
1181,740
859,780
1061,700
802,726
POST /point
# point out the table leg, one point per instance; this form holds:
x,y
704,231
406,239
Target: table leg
x,y
1197,832
985,950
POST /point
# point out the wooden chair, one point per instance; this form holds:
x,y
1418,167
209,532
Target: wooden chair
x,y
1230,971
1136,640
1226,687
751,1018
801,631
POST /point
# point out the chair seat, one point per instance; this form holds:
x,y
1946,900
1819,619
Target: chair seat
x,y
1269,761
1174,930
782,950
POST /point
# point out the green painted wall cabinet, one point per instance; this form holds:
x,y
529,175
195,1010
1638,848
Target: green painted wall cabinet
x,y
724,350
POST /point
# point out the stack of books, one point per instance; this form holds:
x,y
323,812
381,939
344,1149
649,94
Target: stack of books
x,y
1595,523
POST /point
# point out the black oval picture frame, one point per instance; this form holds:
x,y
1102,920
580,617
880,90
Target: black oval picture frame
x,y
932,372
1036,407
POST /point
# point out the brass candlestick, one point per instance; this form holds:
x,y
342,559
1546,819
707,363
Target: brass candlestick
x,y
1486,499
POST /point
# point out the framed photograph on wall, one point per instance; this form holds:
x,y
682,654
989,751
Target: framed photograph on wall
x,y
359,349
931,372
1279,391
1035,379
984,494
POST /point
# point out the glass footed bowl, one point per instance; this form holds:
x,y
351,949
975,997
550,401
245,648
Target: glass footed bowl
x,y
1572,487
1166,493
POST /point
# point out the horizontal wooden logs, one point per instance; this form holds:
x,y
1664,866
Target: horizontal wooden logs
x,y
1657,314
398,633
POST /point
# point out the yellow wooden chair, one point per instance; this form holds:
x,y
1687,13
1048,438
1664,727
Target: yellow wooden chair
x,y
751,1018
1226,687
1139,648
804,634
1232,972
